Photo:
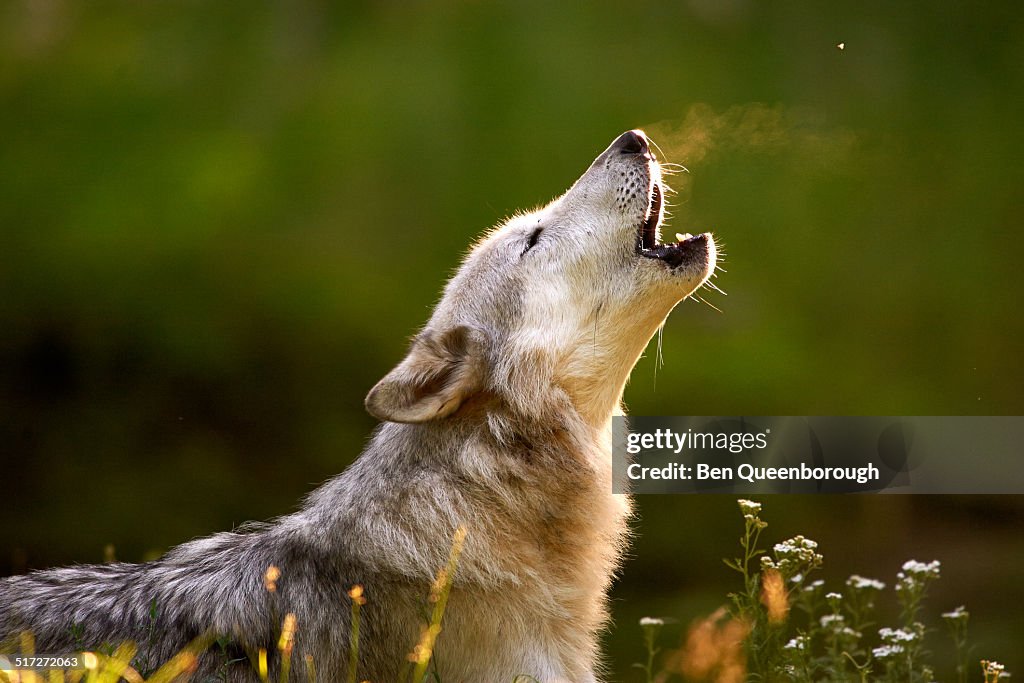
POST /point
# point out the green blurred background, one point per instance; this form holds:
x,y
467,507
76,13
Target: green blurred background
x,y
221,222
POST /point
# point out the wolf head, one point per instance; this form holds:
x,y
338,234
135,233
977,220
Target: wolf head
x,y
556,304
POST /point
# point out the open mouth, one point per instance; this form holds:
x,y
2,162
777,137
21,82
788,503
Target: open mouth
x,y
647,236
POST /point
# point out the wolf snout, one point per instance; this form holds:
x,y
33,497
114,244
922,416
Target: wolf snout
x,y
632,142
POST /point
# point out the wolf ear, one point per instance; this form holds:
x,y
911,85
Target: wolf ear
x,y
440,372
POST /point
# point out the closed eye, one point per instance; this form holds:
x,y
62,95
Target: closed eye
x,y
532,241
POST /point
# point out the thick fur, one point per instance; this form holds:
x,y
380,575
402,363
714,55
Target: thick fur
x,y
498,420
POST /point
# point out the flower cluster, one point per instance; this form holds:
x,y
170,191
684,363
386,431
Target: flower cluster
x,y
836,625
749,507
912,584
898,641
896,636
956,621
887,651
958,615
798,549
750,511
835,638
796,556
916,574
798,643
812,587
993,671
831,621
858,582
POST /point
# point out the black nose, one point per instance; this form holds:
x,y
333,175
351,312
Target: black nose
x,y
631,142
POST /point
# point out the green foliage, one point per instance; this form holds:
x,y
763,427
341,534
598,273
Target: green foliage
x,y
221,223
834,640
107,663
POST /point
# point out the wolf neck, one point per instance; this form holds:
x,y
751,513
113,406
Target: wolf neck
x,y
597,401
595,378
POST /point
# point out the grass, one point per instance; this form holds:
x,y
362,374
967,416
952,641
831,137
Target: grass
x,y
111,665
780,625
783,625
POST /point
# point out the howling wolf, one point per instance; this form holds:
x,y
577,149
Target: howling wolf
x,y
498,422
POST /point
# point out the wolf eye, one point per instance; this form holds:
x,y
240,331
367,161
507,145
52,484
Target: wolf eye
x,y
532,242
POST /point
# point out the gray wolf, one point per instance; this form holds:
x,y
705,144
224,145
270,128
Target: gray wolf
x,y
498,420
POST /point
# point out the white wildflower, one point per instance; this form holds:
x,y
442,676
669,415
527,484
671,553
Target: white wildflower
x,y
922,568
915,574
798,643
959,614
833,621
897,635
749,507
859,582
796,554
995,669
814,586
887,651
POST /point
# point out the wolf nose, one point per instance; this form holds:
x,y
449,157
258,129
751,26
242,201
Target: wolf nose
x,y
631,142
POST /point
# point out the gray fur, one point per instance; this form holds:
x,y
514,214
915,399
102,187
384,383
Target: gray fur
x,y
498,420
